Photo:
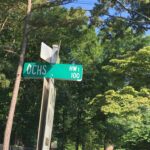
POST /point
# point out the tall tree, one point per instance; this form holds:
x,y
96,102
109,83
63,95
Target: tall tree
x,y
127,116
134,13
17,82
125,103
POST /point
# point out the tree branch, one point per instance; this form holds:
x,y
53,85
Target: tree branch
x,y
136,21
3,24
50,4
10,51
130,10
131,20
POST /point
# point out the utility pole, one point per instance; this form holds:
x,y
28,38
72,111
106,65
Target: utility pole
x,y
8,129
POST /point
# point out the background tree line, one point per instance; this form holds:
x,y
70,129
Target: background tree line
x,y
111,105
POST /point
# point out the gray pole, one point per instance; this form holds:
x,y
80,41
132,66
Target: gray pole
x,y
47,104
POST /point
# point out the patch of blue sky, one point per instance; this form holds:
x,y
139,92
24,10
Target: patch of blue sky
x,y
85,4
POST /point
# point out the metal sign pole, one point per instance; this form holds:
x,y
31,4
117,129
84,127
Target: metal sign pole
x,y
42,119
48,102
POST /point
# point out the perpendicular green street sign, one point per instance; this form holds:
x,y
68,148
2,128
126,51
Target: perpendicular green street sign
x,y
56,71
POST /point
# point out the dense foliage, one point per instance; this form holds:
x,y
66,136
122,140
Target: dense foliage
x,y
111,105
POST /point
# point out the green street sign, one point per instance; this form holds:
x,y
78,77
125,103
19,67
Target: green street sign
x,y
56,71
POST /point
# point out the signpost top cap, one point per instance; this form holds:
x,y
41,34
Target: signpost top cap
x,y
55,46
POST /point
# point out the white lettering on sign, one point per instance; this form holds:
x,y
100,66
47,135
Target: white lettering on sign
x,y
29,69
44,69
39,70
78,69
36,69
33,69
75,75
73,68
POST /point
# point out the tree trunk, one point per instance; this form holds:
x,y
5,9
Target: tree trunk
x,y
109,147
107,143
78,133
17,82
77,142
63,141
83,146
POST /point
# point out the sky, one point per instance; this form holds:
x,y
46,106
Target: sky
x,y
85,4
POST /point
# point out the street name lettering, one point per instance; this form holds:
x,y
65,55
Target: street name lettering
x,y
57,71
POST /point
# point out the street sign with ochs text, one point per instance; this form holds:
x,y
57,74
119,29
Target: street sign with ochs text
x,y
56,71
